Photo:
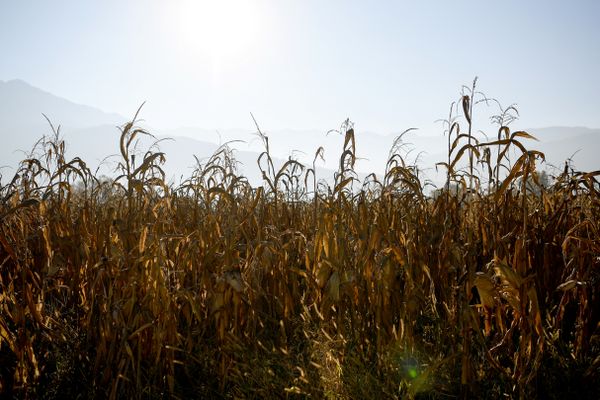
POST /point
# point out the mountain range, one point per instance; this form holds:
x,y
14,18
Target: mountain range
x,y
93,134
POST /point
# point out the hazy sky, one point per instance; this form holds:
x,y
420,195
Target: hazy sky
x,y
308,64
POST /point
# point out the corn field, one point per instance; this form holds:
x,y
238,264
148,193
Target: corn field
x,y
133,287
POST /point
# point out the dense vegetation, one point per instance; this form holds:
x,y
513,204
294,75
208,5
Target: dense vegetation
x,y
135,288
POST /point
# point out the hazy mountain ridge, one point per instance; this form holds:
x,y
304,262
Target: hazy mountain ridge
x,y
23,105
579,145
93,135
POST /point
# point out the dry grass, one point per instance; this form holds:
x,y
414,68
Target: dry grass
x,y
131,288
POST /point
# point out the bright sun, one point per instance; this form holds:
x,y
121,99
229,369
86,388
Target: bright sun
x,y
218,28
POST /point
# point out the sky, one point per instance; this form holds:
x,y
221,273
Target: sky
x,y
387,66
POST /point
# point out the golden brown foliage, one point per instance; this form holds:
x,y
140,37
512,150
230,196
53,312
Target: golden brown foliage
x,y
133,288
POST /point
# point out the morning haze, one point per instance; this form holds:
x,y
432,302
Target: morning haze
x,y
307,65
302,69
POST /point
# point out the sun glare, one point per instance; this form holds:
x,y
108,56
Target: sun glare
x,y
218,28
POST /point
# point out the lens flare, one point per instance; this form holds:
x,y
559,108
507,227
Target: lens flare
x,y
411,367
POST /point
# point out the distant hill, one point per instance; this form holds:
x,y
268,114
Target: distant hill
x,y
23,105
93,135
579,144
22,121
